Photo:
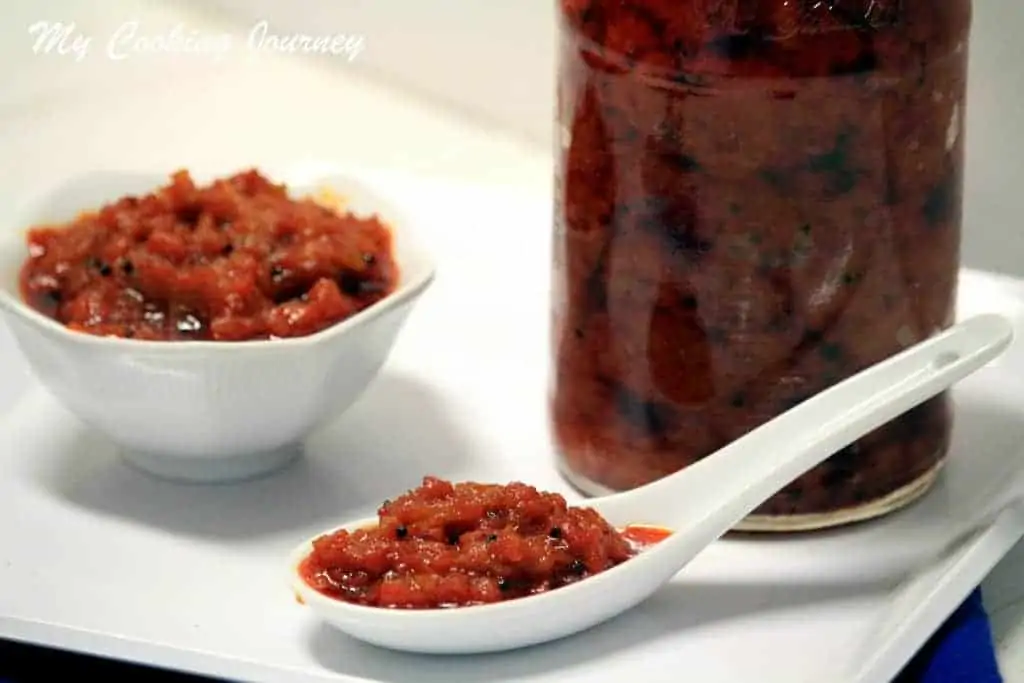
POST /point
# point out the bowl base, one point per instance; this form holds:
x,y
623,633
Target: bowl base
x,y
204,470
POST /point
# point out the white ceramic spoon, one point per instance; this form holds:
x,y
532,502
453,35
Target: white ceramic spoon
x,y
700,504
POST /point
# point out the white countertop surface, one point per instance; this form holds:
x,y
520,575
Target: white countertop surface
x,y
59,115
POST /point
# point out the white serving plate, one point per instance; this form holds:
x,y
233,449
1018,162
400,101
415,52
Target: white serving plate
x,y
99,558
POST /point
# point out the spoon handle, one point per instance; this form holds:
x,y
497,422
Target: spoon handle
x,y
716,493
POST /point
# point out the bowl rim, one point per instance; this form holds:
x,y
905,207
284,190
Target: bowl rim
x,y
307,183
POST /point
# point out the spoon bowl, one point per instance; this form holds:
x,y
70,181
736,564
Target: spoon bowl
x,y
698,504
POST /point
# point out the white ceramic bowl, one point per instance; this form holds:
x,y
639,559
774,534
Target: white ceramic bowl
x,y
208,411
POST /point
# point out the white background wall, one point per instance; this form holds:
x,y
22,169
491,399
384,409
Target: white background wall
x,y
492,58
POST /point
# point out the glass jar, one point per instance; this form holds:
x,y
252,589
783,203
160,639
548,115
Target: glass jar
x,y
755,199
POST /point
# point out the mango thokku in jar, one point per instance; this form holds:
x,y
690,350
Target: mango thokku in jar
x,y
755,199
